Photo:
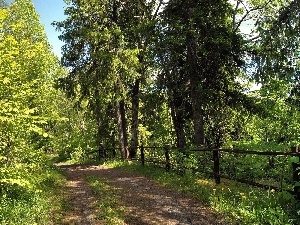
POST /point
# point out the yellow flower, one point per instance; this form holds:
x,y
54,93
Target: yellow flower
x,y
272,190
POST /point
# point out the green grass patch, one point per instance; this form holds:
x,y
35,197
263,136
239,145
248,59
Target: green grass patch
x,y
111,212
239,203
32,204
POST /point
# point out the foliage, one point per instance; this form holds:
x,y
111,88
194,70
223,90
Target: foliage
x,y
102,64
75,133
177,73
31,206
273,50
193,64
28,69
171,67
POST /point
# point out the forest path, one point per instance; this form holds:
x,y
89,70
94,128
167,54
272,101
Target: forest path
x,y
144,201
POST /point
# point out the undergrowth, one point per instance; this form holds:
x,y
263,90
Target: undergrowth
x,y
239,203
33,203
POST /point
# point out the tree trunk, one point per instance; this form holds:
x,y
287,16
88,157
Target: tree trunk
x,y
199,138
177,114
101,149
194,74
135,100
122,127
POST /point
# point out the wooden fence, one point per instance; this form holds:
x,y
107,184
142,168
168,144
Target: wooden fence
x,y
167,160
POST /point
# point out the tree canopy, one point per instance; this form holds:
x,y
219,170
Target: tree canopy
x,y
28,69
193,57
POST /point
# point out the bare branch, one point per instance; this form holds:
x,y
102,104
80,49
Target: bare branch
x,y
235,12
253,38
161,2
248,11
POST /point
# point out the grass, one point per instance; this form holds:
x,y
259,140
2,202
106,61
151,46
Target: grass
x,y
110,211
239,203
58,200
34,205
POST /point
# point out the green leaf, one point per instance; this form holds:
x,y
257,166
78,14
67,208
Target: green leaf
x,y
297,184
294,159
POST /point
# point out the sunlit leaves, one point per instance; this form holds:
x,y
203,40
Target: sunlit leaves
x,y
27,71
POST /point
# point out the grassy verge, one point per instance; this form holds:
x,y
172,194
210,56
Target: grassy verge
x,y
110,211
32,204
241,204
58,199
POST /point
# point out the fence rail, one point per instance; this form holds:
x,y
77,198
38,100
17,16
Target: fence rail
x,y
169,155
250,152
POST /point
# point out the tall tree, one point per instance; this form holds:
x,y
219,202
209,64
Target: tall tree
x,y
211,53
173,80
99,62
137,22
27,71
276,66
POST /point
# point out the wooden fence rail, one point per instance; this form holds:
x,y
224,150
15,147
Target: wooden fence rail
x,y
295,152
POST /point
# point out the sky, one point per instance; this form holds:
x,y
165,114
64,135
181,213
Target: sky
x,y
49,11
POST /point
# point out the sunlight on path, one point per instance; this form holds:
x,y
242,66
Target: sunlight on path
x,y
145,201
81,203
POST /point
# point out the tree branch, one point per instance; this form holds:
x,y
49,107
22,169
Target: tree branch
x,y
248,11
235,12
157,9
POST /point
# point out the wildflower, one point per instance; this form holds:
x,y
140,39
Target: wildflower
x,y
243,196
272,190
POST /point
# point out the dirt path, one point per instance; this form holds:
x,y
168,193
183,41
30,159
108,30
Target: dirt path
x,y
145,201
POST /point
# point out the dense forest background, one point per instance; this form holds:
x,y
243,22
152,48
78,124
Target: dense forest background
x,y
185,73
181,73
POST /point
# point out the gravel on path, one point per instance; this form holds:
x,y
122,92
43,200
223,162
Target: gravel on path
x,y
145,201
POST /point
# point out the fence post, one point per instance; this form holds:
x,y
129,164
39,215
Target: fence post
x,y
101,152
167,155
296,173
216,158
142,155
98,155
114,153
